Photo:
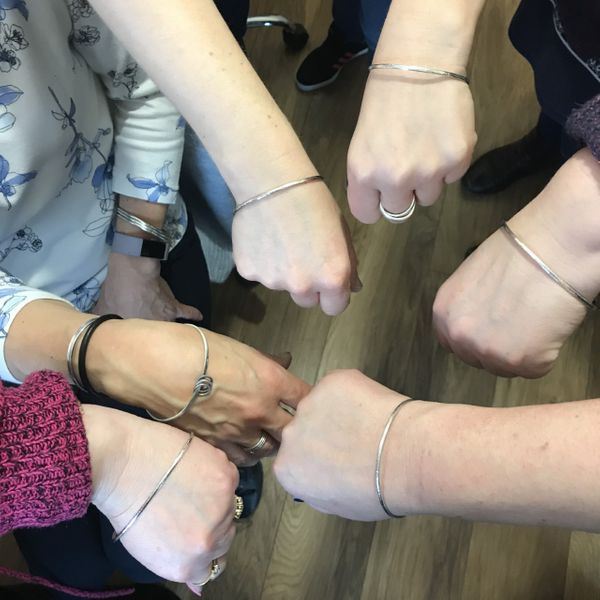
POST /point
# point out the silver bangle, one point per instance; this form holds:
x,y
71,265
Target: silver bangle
x,y
281,188
418,69
202,388
117,536
71,349
380,448
589,304
158,233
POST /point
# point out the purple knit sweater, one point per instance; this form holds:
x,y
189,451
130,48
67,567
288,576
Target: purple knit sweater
x,y
45,472
45,469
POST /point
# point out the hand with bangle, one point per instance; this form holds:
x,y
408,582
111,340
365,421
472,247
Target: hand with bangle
x,y
416,128
293,237
415,133
510,307
169,496
223,391
139,246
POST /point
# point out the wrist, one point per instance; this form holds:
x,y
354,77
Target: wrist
x,y
142,265
404,457
151,212
561,225
105,435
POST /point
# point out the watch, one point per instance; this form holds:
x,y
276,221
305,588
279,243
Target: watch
x,y
135,246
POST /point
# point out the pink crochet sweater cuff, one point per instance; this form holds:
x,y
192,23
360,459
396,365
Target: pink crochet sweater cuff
x,y
584,125
45,471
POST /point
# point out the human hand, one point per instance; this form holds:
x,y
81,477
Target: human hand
x,y
190,520
155,365
298,242
133,288
415,133
327,454
499,311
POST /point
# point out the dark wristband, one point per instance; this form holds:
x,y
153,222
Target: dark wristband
x,y
83,348
135,246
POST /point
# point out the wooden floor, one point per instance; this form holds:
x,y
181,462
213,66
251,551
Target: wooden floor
x,y
288,551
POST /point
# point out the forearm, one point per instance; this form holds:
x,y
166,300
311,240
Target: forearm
x,y
536,465
214,86
427,34
39,337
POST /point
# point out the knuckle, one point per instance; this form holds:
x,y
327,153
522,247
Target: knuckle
x,y
461,330
246,271
300,287
336,277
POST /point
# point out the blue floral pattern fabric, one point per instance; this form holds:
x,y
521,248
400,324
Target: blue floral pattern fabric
x,y
79,122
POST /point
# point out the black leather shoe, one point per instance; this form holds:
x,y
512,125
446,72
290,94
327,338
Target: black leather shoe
x,y
250,488
497,169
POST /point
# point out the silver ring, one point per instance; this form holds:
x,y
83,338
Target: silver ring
x,y
259,445
215,570
401,217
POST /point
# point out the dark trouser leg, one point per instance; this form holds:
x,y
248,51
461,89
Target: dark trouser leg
x,y
347,21
80,553
235,14
372,15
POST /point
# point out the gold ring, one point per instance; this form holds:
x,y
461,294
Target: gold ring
x,y
238,508
215,571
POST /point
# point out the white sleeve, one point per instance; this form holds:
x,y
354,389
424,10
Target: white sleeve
x,y
148,129
14,296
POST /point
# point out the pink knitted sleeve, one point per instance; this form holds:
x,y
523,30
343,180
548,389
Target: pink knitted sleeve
x,y
45,471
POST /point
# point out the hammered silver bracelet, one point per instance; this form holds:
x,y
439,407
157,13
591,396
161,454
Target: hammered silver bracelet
x,y
202,388
277,190
418,69
117,536
565,285
380,448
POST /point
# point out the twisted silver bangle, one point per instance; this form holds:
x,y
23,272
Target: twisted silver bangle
x,y
418,69
158,233
378,486
281,188
565,285
117,536
71,349
202,388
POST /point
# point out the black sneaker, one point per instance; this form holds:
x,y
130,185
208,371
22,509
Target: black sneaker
x,y
323,65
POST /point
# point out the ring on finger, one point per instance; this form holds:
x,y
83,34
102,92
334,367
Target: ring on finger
x,y
238,508
260,444
215,570
400,217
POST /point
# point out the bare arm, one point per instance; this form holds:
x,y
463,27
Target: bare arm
x,y
536,465
416,131
196,61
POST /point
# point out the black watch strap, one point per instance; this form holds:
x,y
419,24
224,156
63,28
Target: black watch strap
x,y
135,246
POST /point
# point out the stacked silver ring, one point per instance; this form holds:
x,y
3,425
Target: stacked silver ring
x,y
252,450
400,217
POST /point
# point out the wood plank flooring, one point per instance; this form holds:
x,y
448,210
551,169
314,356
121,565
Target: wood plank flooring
x,y
288,551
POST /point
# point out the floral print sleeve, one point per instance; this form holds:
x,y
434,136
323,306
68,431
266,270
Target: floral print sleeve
x,y
14,296
148,144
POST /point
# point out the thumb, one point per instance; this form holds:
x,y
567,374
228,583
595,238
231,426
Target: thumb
x,y
190,313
